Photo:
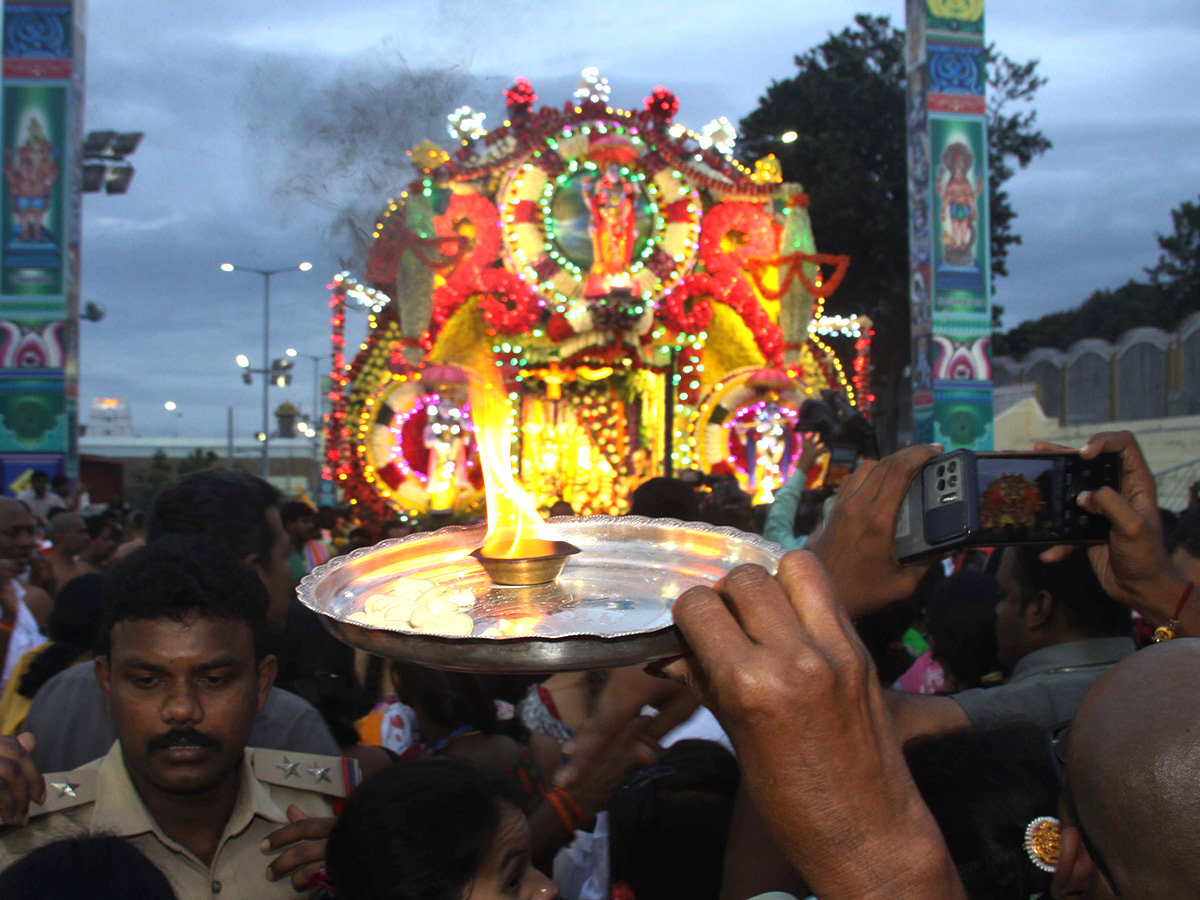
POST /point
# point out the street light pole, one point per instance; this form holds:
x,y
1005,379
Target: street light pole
x,y
266,400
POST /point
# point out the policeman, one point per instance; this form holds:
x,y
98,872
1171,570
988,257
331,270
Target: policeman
x,y
184,678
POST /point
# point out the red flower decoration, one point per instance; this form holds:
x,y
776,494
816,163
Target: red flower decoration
x,y
688,308
520,97
734,233
446,301
508,305
471,225
662,104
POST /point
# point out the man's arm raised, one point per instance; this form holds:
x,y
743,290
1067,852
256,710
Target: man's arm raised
x,y
778,662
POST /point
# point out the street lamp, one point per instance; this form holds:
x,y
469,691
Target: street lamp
x,y
266,277
171,407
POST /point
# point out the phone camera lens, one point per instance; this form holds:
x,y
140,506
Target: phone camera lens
x,y
954,467
953,480
941,471
941,484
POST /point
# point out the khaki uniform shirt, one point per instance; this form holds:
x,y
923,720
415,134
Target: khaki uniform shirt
x,y
100,798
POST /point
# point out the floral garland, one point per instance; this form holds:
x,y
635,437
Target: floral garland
x,y
688,309
508,305
735,291
735,233
473,254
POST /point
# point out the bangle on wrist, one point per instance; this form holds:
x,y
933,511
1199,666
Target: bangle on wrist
x,y
1166,632
566,807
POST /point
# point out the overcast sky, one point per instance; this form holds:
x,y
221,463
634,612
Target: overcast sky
x,y
269,124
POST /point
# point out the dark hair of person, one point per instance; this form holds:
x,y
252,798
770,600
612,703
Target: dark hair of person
x,y
179,576
99,867
361,534
58,511
1169,521
389,526
1074,586
669,823
38,473
1186,533
96,525
882,631
665,498
961,620
295,510
808,511
983,788
417,831
227,504
451,699
74,626
59,480
327,517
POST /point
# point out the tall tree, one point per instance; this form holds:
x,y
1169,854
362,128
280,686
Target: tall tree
x,y
846,102
1177,271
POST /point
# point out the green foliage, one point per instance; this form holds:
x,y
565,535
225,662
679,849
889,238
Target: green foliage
x,y
197,461
1172,294
1012,138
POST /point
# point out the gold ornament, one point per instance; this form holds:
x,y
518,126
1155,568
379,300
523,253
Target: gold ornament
x,y
1042,837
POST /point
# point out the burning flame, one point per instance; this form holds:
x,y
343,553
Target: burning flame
x,y
521,627
514,526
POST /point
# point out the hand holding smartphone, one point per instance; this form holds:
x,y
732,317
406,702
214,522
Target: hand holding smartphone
x,y
963,499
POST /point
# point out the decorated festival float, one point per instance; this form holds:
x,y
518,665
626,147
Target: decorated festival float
x,y
651,305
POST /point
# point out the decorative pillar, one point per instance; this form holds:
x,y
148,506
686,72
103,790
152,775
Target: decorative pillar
x,y
41,126
949,226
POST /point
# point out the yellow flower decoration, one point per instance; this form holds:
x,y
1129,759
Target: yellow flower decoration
x,y
427,156
767,170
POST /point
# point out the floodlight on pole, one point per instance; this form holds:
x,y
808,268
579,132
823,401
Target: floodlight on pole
x,y
789,137
266,274
169,406
104,163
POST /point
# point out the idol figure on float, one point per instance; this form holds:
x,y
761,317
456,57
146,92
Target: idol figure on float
x,y
958,195
612,226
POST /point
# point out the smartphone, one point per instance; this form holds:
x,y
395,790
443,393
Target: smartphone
x,y
843,459
993,499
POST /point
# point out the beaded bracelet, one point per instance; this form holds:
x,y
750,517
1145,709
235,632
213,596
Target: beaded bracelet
x,y
1166,632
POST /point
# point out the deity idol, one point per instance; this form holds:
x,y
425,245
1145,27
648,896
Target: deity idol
x,y
612,226
959,212
30,182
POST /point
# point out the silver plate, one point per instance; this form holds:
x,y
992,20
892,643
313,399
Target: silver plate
x,y
610,607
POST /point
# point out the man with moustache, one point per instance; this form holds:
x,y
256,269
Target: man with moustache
x,y
184,676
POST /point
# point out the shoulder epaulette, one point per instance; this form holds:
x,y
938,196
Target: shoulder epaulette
x,y
66,790
333,776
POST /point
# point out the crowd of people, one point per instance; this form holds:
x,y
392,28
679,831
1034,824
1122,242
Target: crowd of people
x,y
175,723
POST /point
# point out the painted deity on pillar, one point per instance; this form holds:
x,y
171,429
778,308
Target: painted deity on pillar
x,y
31,176
958,189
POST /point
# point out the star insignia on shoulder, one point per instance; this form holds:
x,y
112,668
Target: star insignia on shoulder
x,y
320,773
65,789
288,768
